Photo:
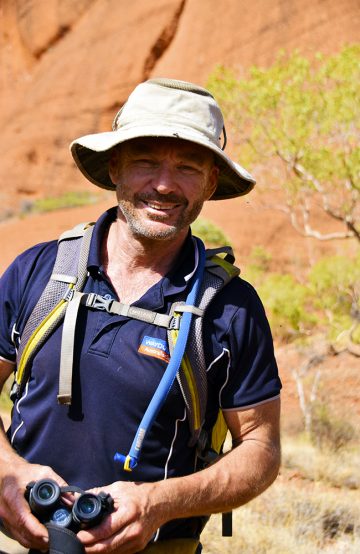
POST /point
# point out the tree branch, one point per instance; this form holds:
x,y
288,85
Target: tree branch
x,y
346,219
307,231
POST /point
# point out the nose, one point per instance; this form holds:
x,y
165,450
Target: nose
x,y
164,179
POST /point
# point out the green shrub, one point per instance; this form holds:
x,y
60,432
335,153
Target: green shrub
x,y
210,233
5,402
299,119
67,200
258,265
287,302
335,285
329,302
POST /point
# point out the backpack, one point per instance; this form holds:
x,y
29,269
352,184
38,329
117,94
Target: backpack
x,y
61,299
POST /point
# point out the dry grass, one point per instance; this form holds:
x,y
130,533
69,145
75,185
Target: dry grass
x,y
337,469
313,507
309,509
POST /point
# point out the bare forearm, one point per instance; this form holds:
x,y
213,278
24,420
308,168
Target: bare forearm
x,y
15,473
234,480
141,508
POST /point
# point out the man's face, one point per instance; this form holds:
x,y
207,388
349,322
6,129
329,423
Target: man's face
x,y
161,184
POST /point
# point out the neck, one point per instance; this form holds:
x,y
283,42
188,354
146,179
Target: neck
x,y
133,264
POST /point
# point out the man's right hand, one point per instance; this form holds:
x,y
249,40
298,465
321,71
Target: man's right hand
x,y
15,474
15,513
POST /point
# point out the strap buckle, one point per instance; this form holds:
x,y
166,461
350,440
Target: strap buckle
x,y
174,324
15,391
204,452
69,294
98,302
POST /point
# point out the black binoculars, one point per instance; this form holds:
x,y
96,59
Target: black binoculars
x,y
44,498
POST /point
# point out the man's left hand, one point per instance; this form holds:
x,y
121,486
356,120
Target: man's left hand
x,y
129,528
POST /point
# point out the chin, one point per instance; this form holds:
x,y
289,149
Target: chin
x,y
156,232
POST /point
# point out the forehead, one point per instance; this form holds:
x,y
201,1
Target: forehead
x,y
163,145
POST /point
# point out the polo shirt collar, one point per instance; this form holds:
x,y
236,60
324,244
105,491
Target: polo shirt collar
x,y
177,278
100,228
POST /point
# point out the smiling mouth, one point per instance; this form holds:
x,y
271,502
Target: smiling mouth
x,y
161,207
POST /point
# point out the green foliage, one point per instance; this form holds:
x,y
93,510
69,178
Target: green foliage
x,y
259,259
329,300
335,286
5,402
210,233
66,200
287,303
303,117
258,264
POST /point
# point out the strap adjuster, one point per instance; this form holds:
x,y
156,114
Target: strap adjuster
x,y
98,302
69,294
174,324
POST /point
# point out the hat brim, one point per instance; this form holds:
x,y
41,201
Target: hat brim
x,y
92,153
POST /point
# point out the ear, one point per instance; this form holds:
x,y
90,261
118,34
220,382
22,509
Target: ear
x,y
212,181
114,165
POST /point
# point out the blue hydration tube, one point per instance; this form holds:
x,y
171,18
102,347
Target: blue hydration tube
x,y
131,460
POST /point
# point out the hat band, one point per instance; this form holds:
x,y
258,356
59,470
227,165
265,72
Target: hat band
x,y
176,125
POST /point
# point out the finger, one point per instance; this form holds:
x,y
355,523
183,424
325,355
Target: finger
x,y
130,538
108,527
29,532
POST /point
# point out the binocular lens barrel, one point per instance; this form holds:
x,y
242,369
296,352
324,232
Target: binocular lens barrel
x,y
46,491
44,494
45,501
87,508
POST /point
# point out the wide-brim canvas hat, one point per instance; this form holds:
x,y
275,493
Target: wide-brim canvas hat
x,y
164,108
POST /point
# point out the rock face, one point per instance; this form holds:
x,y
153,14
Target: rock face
x,y
66,66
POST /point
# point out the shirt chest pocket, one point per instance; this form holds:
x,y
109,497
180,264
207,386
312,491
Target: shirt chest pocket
x,y
105,333
134,358
119,336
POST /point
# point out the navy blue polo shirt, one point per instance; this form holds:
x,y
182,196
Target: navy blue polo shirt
x,y
116,373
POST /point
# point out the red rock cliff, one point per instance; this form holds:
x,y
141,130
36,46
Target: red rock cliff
x,y
67,65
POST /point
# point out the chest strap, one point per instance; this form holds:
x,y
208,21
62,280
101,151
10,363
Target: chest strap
x,y
98,302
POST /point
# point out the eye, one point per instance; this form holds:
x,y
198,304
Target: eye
x,y
185,168
144,162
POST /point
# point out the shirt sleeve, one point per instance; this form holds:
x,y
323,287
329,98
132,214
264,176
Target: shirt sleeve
x,y
20,288
251,373
9,302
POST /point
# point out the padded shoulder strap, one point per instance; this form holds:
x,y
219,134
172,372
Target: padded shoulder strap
x,y
69,274
192,376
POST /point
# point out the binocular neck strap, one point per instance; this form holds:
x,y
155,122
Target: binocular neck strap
x,y
61,541
71,489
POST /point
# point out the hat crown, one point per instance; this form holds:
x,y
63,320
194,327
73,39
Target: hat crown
x,y
169,102
164,108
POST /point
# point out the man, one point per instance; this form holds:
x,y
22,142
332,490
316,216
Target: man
x,y
164,159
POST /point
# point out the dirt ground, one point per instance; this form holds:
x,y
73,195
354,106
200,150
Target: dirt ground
x,y
247,223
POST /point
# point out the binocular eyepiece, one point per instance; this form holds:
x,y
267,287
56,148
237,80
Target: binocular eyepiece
x,y
44,498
